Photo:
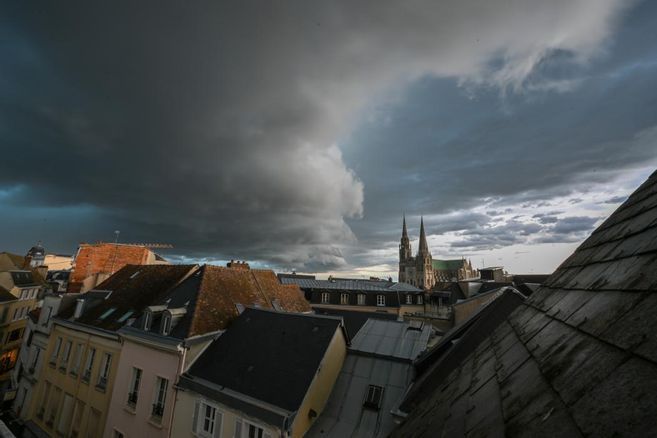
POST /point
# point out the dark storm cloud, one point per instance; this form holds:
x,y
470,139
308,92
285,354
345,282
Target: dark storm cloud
x,y
466,146
215,126
509,233
575,224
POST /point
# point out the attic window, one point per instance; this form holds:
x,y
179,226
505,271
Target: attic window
x,y
166,324
107,313
134,275
373,397
148,318
125,316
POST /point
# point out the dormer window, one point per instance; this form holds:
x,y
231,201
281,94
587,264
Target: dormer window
x,y
166,323
373,397
148,319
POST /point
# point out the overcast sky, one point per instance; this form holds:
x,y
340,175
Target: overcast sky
x,y
295,136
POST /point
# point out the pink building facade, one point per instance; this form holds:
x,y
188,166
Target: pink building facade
x,y
144,395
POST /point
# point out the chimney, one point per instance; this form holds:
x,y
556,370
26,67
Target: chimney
x,y
79,307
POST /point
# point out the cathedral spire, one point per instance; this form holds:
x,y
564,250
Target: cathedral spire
x,y
404,232
424,247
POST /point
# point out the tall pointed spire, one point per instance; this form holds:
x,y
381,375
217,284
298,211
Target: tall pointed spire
x,y
424,247
404,232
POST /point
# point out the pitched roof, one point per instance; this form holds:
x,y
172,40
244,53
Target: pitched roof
x,y
354,320
380,355
131,289
5,295
579,357
448,265
11,262
211,295
283,354
391,339
350,284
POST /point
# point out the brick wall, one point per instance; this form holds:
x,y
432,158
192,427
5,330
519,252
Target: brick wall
x,y
103,258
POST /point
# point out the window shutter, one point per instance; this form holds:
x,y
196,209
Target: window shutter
x,y
197,406
238,428
218,422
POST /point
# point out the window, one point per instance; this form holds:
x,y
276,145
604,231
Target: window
x,y
125,316
93,425
344,298
419,299
409,299
77,418
15,314
380,300
373,397
44,402
35,360
325,297
77,359
107,313
66,355
161,385
66,414
103,374
88,365
55,352
207,420
166,324
148,318
54,404
246,429
133,395
48,315
14,335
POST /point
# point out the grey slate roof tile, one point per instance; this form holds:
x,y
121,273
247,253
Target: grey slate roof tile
x,y
578,358
602,310
635,330
626,398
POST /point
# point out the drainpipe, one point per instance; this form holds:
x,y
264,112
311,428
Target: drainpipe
x,y
182,354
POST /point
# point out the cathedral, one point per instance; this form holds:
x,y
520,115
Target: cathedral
x,y
422,271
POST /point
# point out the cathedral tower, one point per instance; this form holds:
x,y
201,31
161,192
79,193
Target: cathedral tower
x,y
405,254
423,264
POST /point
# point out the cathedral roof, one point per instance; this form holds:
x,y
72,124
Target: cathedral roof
x,y
577,358
448,265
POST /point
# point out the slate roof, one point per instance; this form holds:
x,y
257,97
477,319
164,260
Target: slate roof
x,y
211,295
391,339
130,289
354,320
5,295
283,355
577,358
381,354
448,265
350,284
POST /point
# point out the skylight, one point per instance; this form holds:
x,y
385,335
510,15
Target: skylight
x,y
125,316
107,313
